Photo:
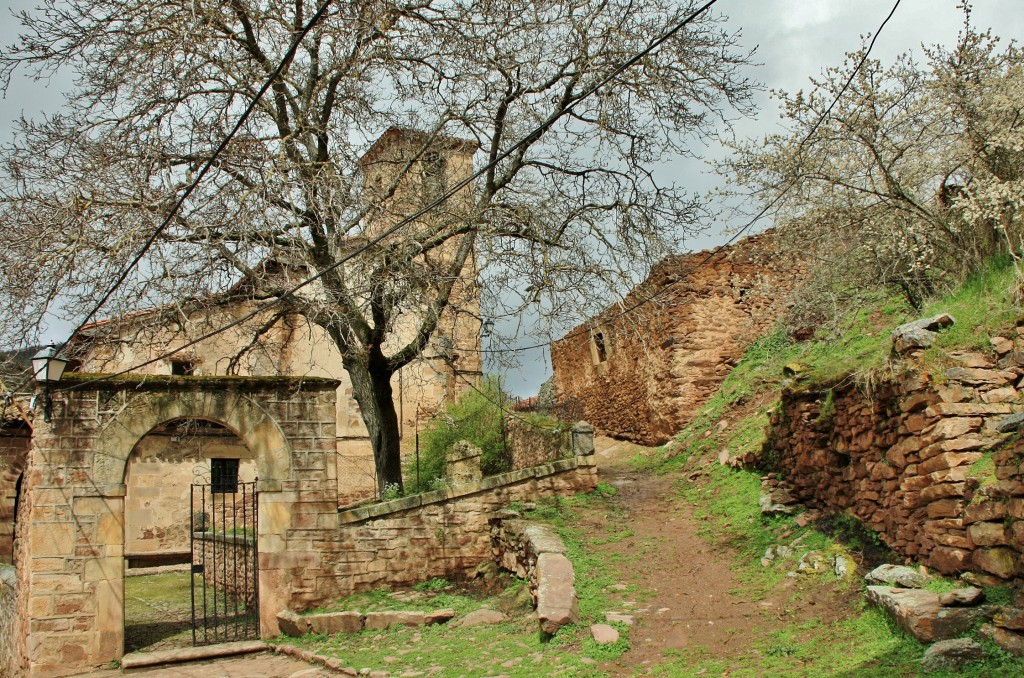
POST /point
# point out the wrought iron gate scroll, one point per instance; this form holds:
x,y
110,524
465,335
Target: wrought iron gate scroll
x,y
225,570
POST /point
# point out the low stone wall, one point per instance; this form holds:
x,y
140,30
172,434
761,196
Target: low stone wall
x,y
445,533
911,459
536,553
9,622
229,564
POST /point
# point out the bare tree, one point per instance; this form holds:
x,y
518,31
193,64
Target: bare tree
x,y
158,86
913,180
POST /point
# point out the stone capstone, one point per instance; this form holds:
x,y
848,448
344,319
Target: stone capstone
x,y
966,597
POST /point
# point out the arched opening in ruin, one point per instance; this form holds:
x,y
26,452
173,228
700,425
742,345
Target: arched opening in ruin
x,y
188,482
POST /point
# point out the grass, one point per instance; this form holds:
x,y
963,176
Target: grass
x,y
865,642
512,648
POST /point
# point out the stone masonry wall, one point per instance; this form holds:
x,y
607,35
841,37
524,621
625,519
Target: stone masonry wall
x,y
9,621
920,460
14,446
531,445
651,369
229,565
445,533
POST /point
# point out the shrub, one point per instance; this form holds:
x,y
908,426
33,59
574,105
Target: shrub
x,y
476,417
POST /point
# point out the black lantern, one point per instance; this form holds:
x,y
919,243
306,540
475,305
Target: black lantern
x,y
487,328
48,369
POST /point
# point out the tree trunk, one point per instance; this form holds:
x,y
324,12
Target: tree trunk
x,y
371,387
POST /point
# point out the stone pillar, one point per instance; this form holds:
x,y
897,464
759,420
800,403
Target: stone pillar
x,y
463,463
582,439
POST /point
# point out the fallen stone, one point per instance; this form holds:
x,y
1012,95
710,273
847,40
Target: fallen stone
x,y
557,603
919,613
292,624
604,634
962,597
841,566
919,333
1011,423
1010,618
807,517
481,616
378,621
951,655
335,622
1011,641
438,616
898,575
626,619
771,508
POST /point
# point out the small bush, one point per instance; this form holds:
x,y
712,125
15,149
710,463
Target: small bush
x,y
476,417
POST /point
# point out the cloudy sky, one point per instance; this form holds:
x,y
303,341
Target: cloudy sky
x,y
795,39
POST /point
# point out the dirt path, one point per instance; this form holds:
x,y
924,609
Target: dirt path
x,y
687,597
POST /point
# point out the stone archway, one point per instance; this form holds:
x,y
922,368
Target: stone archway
x,y
71,559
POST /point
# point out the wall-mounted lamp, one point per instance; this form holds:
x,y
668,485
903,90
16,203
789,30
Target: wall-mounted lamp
x,y
486,328
48,369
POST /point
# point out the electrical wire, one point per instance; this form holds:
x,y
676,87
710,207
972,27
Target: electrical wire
x,y
746,227
527,139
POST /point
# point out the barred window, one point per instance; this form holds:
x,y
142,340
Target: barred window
x,y
224,476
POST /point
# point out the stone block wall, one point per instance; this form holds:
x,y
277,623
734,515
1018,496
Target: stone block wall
x,y
229,564
642,376
10,623
445,533
14,444
920,460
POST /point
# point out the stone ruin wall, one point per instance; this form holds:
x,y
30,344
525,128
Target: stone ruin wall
x,y
919,460
665,359
533,445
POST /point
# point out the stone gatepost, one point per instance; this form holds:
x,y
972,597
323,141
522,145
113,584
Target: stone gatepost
x,y
463,463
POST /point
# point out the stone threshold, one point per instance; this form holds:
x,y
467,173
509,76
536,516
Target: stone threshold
x,y
139,660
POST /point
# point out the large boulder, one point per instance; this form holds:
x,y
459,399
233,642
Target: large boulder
x,y
951,655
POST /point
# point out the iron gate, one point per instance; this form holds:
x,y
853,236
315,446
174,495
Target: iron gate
x,y
225,572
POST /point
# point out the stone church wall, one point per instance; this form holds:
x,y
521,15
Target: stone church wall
x,y
642,375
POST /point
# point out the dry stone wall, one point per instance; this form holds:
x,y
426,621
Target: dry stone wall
x,y
928,461
643,375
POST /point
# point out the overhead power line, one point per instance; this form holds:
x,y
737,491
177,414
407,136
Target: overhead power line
x,y
525,140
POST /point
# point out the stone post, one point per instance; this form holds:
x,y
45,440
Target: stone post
x,y
582,439
463,463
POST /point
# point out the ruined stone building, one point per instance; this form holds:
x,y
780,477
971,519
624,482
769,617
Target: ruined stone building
x,y
641,374
175,454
